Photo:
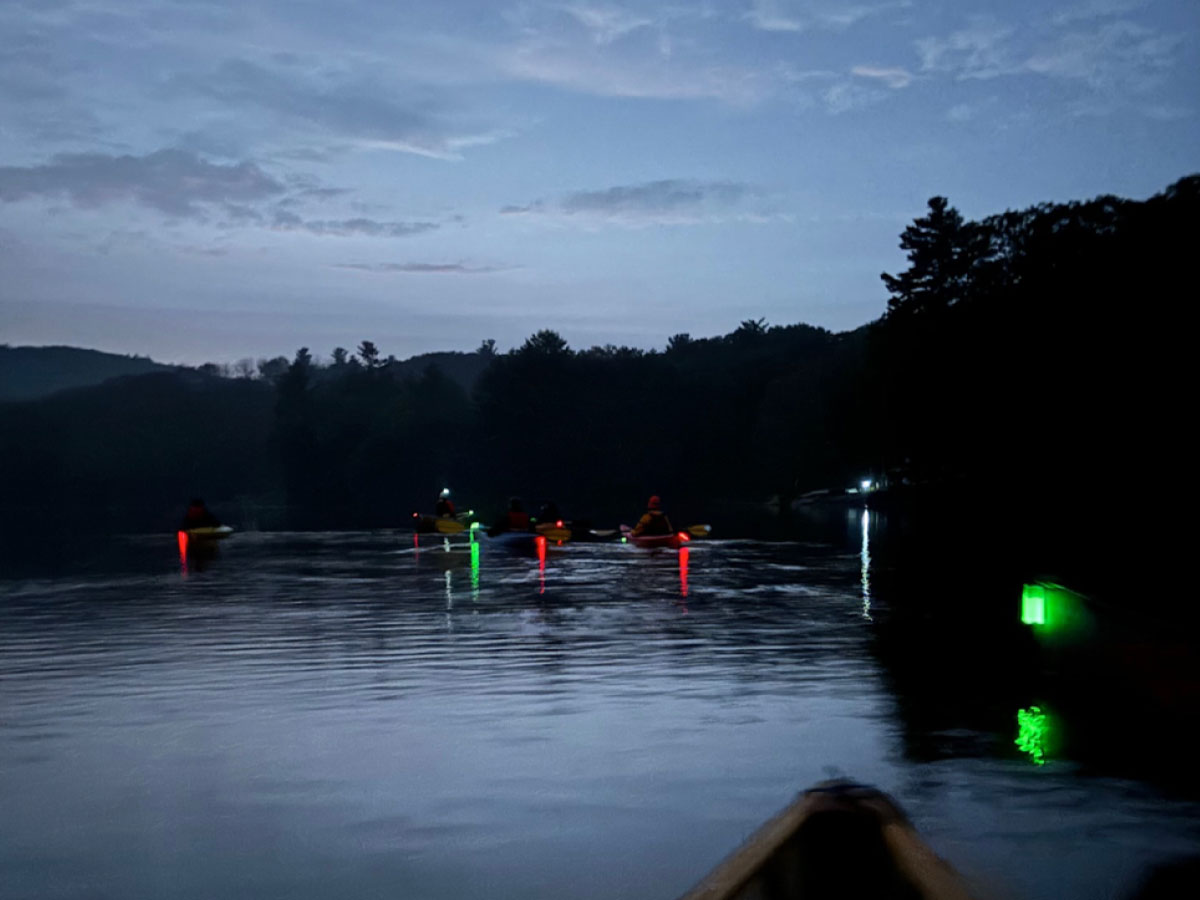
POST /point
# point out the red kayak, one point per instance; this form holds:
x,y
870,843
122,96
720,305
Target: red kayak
x,y
672,541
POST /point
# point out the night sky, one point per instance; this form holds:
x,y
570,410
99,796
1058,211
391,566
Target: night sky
x,y
212,180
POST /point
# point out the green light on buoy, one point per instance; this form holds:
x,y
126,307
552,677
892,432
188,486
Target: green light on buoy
x,y
1033,604
1033,733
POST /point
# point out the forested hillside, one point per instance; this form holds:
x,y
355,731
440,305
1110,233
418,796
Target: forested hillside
x,y
27,373
1034,360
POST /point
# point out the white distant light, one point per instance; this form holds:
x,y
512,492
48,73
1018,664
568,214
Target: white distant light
x,y
866,484
445,492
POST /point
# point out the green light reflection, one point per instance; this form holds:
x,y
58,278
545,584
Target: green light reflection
x,y
1034,732
474,570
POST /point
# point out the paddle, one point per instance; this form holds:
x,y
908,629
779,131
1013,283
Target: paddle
x,y
692,530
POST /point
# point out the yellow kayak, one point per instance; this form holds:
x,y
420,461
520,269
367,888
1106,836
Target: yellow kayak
x,y
553,532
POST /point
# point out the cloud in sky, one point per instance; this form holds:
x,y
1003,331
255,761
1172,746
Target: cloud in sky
x,y
798,16
845,96
664,202
183,185
1114,57
171,181
422,268
347,106
1096,9
596,70
980,50
893,77
605,22
356,227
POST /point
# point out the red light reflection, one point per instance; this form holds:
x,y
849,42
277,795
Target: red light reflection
x,y
683,571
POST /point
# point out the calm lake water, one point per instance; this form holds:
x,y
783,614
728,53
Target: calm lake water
x,y
336,715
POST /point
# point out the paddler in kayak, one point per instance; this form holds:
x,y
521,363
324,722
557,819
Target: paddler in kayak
x,y
549,513
654,522
198,516
443,514
516,519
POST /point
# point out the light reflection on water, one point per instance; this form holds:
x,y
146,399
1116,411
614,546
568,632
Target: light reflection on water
x,y
329,715
864,556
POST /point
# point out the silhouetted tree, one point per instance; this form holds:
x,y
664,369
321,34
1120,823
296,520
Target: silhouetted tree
x,y
272,369
942,250
751,328
369,354
545,343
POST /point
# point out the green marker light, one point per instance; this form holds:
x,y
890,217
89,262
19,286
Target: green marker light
x,y
1033,604
1056,614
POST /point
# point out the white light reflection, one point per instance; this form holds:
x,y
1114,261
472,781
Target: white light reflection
x,y
449,601
865,556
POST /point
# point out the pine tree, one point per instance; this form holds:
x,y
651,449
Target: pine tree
x,y
942,251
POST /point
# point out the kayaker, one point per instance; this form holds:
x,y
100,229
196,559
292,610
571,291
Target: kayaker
x,y
654,521
199,516
516,519
444,507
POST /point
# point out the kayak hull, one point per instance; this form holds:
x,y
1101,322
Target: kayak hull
x,y
838,839
442,525
657,541
554,533
209,533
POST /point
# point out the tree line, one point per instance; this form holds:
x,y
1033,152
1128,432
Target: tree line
x,y
1032,356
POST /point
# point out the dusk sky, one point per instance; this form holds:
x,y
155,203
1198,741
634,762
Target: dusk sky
x,y
212,180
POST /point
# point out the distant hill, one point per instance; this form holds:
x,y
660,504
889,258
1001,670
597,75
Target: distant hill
x,y
27,373
126,454
464,368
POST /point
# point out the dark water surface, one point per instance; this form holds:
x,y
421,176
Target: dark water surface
x,y
334,715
